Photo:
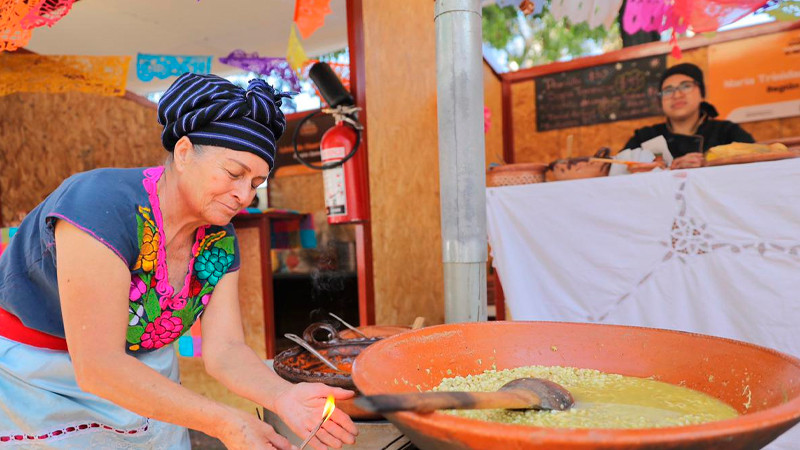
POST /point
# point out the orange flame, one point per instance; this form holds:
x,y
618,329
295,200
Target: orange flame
x,y
330,407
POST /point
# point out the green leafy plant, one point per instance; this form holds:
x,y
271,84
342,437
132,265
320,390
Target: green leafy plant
x,y
540,39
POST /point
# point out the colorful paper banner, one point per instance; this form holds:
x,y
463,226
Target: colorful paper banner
x,y
309,15
47,12
295,54
263,65
19,17
165,66
679,15
700,15
593,12
12,35
102,75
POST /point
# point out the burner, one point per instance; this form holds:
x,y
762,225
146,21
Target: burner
x,y
372,435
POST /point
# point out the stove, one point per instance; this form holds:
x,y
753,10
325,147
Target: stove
x,y
372,434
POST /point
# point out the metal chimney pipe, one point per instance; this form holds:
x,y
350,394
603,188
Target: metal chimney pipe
x,y
462,165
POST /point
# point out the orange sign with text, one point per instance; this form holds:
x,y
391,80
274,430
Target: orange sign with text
x,y
757,78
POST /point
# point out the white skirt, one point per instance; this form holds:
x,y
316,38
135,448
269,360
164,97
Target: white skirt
x,y
41,405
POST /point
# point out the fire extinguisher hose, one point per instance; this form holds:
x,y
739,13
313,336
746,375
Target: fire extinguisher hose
x,y
323,166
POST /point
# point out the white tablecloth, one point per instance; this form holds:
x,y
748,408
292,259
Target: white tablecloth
x,y
713,251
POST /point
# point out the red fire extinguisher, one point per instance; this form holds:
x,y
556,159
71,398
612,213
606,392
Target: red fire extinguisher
x,y
343,167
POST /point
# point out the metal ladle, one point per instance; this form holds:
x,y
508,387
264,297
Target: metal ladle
x,y
302,343
355,330
519,394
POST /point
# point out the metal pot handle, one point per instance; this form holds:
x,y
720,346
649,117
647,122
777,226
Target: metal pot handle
x,y
311,332
604,152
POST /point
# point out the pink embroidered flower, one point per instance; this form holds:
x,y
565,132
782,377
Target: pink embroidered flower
x,y
205,299
138,288
162,286
162,331
178,303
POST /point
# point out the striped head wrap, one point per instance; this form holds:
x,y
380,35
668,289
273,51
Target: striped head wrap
x,y
213,111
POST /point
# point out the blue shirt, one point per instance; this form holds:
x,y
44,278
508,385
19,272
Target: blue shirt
x,y
119,208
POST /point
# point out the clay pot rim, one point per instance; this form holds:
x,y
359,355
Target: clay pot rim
x,y
295,374
441,424
541,167
575,159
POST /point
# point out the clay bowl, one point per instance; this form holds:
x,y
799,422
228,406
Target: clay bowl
x,y
514,174
646,167
580,167
763,385
298,365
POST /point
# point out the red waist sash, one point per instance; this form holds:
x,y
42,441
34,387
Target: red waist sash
x,y
13,328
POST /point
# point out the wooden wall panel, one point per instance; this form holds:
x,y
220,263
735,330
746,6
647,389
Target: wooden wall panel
x,y
250,297
493,99
524,124
400,59
299,192
697,56
544,147
789,127
48,137
305,193
765,129
533,146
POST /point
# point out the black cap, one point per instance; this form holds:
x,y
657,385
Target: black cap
x,y
688,69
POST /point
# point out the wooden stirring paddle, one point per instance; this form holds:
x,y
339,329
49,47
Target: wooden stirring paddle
x,y
522,393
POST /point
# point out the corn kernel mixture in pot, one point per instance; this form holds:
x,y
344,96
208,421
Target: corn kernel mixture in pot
x,y
602,400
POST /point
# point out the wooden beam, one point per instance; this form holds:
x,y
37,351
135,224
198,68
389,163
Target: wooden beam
x,y
355,42
508,122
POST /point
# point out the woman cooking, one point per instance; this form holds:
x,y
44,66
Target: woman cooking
x,y
113,266
690,128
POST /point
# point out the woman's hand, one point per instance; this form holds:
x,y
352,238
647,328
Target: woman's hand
x,y
688,161
246,432
301,405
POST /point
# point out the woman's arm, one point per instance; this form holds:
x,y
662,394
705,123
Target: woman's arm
x,y
228,359
93,286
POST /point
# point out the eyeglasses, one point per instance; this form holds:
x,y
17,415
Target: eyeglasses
x,y
683,88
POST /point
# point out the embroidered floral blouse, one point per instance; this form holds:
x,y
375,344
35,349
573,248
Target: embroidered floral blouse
x,y
120,208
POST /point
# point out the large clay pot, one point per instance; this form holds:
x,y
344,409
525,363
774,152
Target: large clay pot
x,y
763,385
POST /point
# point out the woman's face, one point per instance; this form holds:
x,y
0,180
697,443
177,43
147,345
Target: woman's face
x,y
680,98
220,182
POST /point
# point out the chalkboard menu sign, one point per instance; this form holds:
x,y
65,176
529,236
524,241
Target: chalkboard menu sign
x,y
307,140
600,94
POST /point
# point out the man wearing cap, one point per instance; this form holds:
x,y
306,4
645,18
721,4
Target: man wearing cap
x,y
113,266
690,129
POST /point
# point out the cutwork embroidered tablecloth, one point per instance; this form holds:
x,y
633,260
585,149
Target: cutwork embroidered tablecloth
x,y
712,250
